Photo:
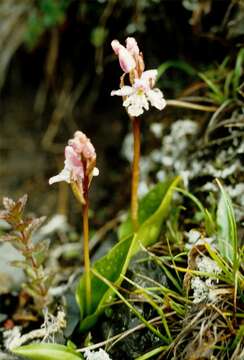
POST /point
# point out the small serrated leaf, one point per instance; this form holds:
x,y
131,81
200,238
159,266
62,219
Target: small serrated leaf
x,y
40,251
34,225
8,203
8,238
20,264
22,202
42,245
19,206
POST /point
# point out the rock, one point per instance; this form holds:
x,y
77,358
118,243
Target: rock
x,y
10,276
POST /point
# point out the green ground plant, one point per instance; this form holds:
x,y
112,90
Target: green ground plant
x,y
20,236
208,322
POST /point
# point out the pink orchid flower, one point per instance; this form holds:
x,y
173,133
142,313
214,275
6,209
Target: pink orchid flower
x,y
80,161
141,93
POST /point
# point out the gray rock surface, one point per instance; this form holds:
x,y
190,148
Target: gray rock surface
x,y
10,276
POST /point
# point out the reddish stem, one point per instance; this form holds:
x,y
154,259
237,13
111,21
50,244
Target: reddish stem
x,y
86,241
28,254
135,172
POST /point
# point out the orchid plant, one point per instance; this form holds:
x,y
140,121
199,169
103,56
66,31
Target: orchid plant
x,y
79,168
136,99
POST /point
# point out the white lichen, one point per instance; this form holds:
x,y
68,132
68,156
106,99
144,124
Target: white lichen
x,y
11,337
194,237
205,264
96,355
200,290
157,129
203,286
51,326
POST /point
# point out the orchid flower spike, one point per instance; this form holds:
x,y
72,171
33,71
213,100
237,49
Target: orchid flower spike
x,y
141,93
79,164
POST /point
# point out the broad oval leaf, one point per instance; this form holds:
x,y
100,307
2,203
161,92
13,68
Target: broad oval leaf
x,y
110,266
46,352
114,264
147,206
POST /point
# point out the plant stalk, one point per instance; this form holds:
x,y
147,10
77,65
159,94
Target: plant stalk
x,y
86,244
135,172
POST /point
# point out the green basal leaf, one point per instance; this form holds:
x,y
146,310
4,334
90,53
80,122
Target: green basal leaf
x,y
227,232
147,206
46,352
111,266
114,264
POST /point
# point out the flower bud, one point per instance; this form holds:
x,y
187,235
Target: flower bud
x,y
116,46
132,47
83,146
126,60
